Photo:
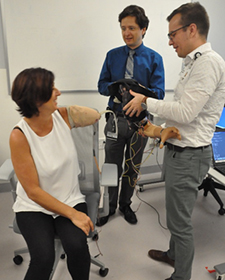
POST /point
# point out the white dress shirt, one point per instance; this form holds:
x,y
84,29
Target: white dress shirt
x,y
198,100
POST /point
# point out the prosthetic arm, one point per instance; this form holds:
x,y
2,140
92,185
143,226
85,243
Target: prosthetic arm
x,y
154,131
82,116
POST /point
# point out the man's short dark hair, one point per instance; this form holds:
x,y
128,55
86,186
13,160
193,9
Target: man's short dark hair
x,y
193,13
137,12
31,88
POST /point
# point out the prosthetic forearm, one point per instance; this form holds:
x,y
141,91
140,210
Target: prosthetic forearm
x,y
82,116
153,131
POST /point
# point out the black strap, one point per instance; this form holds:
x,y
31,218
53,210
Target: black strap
x,y
16,127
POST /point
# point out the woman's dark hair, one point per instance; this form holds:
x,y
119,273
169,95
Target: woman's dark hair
x,y
193,13
137,12
31,88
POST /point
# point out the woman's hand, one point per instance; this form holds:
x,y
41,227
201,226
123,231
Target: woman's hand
x,y
82,221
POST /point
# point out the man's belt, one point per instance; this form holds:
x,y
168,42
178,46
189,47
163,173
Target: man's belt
x,y
181,149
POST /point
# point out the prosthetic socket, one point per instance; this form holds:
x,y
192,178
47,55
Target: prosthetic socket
x,y
120,89
80,116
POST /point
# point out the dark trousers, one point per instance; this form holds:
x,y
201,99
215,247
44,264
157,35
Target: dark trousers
x,y
127,149
39,230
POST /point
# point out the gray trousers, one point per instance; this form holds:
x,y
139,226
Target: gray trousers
x,y
184,173
131,146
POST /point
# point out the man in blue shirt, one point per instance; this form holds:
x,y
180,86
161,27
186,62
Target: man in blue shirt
x,y
148,70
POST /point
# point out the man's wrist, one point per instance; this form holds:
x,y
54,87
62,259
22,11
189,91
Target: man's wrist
x,y
144,99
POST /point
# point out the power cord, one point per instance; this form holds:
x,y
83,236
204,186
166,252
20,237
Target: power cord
x,y
132,155
97,245
159,221
156,144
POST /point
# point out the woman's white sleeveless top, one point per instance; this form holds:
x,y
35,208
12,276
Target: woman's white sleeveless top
x,y
56,161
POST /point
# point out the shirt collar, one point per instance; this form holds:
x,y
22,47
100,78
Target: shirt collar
x,y
138,50
197,52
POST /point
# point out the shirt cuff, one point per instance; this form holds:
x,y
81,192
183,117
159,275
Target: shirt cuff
x,y
151,104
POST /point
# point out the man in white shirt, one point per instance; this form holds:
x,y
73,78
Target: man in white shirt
x,y
198,101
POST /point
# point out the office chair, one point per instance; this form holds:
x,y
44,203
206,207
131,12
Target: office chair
x,y
212,181
210,185
91,181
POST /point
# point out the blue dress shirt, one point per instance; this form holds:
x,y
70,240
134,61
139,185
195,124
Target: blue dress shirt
x,y
148,70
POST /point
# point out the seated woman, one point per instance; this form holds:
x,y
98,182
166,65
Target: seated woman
x,y
49,201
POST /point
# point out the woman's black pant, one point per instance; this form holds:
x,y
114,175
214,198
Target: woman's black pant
x,y
39,231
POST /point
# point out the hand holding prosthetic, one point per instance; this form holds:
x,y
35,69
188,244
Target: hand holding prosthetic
x,y
121,90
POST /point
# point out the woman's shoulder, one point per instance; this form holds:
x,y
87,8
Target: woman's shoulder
x,y
64,114
17,138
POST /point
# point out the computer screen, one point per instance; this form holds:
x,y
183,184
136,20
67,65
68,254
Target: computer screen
x,y
221,122
218,146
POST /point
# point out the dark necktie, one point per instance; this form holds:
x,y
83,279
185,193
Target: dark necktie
x,y
129,72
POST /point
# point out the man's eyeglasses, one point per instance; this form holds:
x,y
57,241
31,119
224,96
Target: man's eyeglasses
x,y
172,34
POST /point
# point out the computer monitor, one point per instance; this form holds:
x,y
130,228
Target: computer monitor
x,y
221,122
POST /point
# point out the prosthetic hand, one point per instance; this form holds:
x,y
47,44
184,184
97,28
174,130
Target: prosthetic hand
x,y
82,116
154,131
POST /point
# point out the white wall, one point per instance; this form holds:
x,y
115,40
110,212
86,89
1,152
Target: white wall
x,y
72,35
8,117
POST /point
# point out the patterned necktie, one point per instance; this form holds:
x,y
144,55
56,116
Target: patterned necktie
x,y
130,65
